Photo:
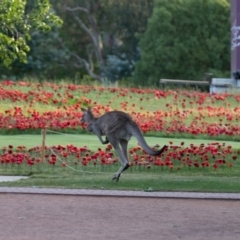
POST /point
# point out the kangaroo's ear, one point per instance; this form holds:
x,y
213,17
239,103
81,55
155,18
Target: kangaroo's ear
x,y
89,109
83,109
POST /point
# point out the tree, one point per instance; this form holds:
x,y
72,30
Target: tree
x,y
88,10
17,19
129,22
185,39
118,23
101,36
46,58
130,19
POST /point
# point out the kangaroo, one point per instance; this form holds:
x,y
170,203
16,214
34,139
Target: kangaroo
x,y
118,127
93,127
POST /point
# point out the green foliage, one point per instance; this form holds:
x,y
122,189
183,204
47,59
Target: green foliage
x,y
185,39
117,68
118,21
17,19
130,18
44,58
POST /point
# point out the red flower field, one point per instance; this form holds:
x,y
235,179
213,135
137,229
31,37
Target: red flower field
x,y
175,158
26,107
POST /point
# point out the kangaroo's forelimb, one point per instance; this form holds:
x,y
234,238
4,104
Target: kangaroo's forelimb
x,y
96,130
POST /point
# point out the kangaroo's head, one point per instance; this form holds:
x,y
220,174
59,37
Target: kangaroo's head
x,y
87,115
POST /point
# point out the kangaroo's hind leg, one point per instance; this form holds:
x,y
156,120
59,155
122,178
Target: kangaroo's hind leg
x,y
124,161
124,145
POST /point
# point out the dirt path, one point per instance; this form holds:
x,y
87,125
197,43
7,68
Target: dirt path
x,y
51,217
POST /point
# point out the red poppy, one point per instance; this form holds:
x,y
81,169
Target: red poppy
x,y
196,164
230,164
215,166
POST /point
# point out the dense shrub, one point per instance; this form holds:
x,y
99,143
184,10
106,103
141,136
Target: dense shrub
x,y
185,39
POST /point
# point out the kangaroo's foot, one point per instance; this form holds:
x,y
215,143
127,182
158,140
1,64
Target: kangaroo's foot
x,y
118,174
106,141
126,167
116,177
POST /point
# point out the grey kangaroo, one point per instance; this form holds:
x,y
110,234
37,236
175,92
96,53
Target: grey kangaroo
x,y
118,127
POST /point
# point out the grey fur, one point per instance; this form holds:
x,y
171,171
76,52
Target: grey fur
x,y
118,127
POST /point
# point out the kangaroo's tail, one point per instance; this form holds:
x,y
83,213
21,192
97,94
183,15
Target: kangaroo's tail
x,y
136,132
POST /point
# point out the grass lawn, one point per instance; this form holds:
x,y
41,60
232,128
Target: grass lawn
x,y
92,141
222,180
141,181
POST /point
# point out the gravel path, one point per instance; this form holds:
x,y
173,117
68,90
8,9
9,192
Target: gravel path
x,y
59,217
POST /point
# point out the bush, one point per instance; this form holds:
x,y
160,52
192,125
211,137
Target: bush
x,y
185,39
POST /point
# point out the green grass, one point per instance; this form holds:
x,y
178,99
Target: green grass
x,y
92,142
222,180
139,181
